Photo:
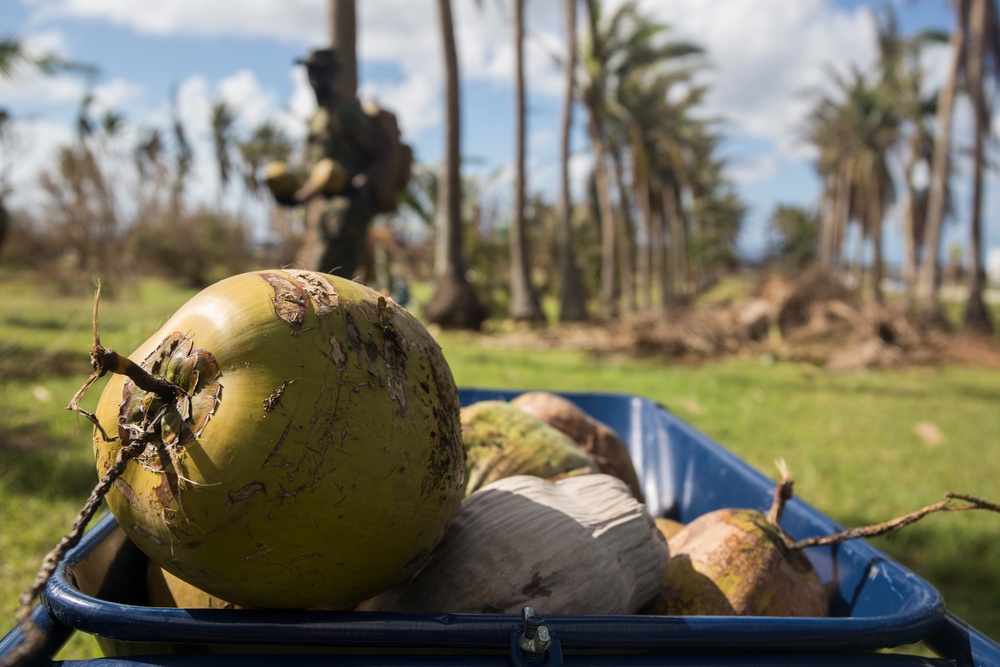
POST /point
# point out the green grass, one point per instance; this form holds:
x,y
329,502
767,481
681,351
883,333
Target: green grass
x,y
849,438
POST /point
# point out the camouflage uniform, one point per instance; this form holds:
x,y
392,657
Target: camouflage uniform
x,y
337,225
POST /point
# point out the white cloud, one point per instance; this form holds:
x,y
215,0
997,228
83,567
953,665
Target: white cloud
x,y
766,54
753,169
252,103
289,20
39,91
116,94
32,149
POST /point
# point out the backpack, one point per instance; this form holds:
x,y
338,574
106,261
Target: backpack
x,y
386,191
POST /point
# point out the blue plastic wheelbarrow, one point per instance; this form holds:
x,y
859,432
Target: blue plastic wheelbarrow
x,y
876,602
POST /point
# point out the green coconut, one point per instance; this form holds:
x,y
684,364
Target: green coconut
x,y
301,444
502,441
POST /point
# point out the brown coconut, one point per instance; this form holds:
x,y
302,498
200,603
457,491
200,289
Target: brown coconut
x,y
501,441
581,545
166,590
734,562
594,437
669,527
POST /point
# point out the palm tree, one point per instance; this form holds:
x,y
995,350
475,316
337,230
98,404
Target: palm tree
x,y
572,298
794,232
903,76
455,303
14,56
183,159
223,124
717,211
626,46
854,133
524,304
594,95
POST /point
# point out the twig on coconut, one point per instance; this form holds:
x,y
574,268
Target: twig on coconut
x,y
105,360
949,504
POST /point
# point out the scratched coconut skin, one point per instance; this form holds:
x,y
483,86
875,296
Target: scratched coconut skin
x,y
318,458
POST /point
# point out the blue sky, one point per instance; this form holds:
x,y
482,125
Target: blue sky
x,y
764,53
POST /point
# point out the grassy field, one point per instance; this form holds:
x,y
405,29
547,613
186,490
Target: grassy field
x,y
853,441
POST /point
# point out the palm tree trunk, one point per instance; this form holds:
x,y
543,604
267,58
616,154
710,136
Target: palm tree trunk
x,y
875,229
976,317
448,257
609,283
829,208
679,238
572,298
837,224
455,303
343,39
658,256
673,229
909,268
524,305
644,266
624,233
929,275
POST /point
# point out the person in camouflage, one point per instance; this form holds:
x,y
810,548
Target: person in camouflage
x,y
344,142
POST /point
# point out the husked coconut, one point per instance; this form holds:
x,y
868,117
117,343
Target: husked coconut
x,y
733,562
501,440
580,545
594,437
739,562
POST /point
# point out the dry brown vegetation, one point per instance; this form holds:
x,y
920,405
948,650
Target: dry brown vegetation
x,y
807,318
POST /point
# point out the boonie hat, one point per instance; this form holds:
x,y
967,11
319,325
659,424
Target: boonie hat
x,y
319,59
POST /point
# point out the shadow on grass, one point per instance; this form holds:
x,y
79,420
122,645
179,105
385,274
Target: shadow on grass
x,y
35,463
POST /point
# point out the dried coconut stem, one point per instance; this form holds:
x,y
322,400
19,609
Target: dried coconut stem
x,y
947,505
105,360
782,494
